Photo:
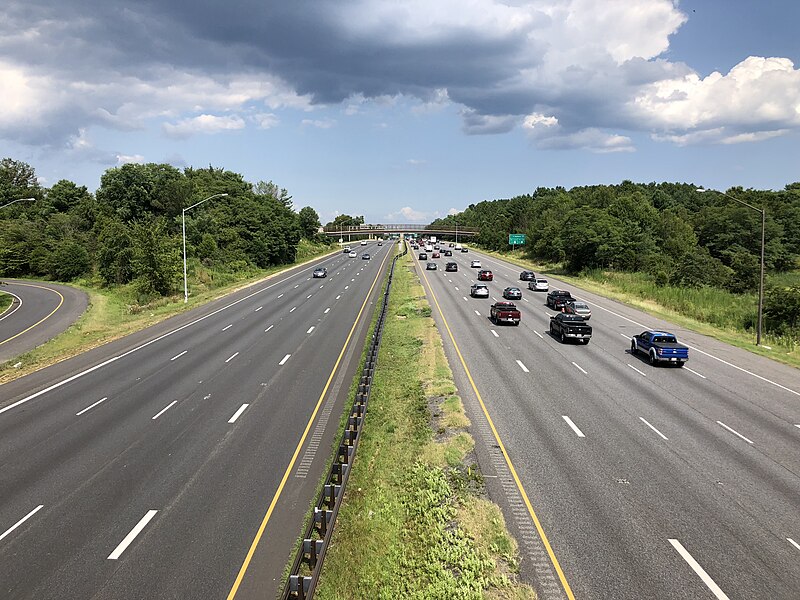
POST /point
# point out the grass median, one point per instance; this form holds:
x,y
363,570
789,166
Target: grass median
x,y
112,313
415,522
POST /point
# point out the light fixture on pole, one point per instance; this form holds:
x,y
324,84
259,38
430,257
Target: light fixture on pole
x,y
763,214
183,228
19,200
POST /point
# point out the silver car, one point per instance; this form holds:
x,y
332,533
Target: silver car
x,y
539,285
479,290
577,307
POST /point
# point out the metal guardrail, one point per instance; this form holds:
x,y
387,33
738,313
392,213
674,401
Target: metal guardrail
x,y
317,537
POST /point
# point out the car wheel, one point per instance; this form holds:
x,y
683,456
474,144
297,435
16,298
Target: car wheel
x,y
563,338
652,357
585,342
517,325
553,333
633,348
680,364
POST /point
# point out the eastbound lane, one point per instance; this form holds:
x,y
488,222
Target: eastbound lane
x,y
625,464
154,472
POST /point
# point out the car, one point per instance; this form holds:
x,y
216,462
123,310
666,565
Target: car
x,y
448,253
527,276
457,246
539,285
346,250
570,327
465,249
475,264
577,307
485,275
320,272
435,255
436,247
512,293
504,312
365,256
352,254
380,242
451,245
423,256
660,346
451,266
556,299
363,242
431,266
479,290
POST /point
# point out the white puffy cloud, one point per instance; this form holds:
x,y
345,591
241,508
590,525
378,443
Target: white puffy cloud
x,y
547,133
202,124
123,159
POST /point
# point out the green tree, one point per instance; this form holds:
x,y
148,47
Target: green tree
x,y
309,222
115,252
156,258
68,261
17,180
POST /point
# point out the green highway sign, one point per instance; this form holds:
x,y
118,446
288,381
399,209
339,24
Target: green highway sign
x,y
516,239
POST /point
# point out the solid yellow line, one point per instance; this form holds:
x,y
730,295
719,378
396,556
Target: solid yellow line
x,y
275,498
502,446
42,320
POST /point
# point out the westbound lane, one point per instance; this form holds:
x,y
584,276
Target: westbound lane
x,y
611,492
198,426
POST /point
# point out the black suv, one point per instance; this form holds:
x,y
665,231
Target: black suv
x,y
451,266
527,276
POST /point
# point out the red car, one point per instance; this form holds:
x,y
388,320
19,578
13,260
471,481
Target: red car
x,y
435,255
485,275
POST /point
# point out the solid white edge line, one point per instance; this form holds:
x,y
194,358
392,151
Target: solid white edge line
x,y
579,368
78,414
522,366
494,333
234,355
698,569
238,413
790,540
21,521
227,327
577,431
637,370
178,355
733,431
539,334
695,372
268,328
310,329
165,409
132,535
284,359
6,315
653,428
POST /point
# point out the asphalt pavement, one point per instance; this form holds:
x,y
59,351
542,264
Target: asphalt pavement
x,y
623,480
180,462
38,313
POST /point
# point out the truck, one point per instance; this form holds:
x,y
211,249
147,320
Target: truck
x,y
433,239
570,327
504,312
556,299
660,347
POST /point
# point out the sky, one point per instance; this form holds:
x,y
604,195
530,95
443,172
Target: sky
x,y
406,110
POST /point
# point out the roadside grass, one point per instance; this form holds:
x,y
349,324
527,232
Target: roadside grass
x,y
712,312
5,301
113,313
414,523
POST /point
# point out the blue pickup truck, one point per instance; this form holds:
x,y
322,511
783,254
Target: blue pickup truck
x,y
660,346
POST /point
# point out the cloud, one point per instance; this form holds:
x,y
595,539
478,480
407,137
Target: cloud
x,y
202,124
597,68
454,211
123,159
415,162
319,123
409,214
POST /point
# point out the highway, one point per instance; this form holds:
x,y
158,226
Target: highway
x,y
180,462
39,312
622,480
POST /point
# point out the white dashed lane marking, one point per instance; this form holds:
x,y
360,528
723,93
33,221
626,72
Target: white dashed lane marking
x,y
177,356
574,427
653,428
715,589
284,359
21,521
227,327
165,409
733,431
90,407
238,413
232,356
132,535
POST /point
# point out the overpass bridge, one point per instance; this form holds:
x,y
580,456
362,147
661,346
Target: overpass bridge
x,y
370,231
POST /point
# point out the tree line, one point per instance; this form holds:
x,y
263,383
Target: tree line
x,y
671,231
129,231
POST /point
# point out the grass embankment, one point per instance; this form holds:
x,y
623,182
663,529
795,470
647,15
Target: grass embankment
x,y
710,311
113,312
5,301
414,523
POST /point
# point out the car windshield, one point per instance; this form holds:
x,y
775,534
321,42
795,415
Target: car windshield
x,y
580,305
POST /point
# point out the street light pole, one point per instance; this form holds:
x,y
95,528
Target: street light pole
x,y
183,229
19,200
763,213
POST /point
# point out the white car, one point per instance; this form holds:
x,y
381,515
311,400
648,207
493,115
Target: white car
x,y
352,254
363,242
458,246
539,285
475,264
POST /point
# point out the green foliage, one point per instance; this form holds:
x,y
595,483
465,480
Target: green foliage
x,y
68,261
17,180
115,252
782,309
309,222
345,221
697,268
156,259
